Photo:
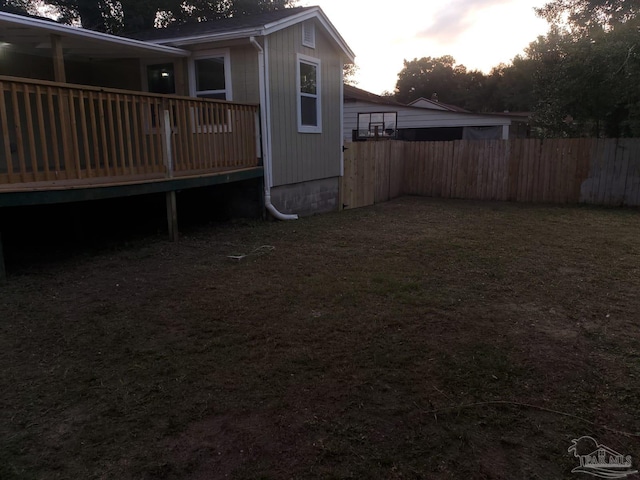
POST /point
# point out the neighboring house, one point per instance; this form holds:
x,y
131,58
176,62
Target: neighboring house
x,y
520,124
367,116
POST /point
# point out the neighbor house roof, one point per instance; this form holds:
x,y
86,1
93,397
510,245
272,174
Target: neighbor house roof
x,y
353,94
35,33
436,104
242,26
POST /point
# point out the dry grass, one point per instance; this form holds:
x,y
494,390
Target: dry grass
x,y
325,357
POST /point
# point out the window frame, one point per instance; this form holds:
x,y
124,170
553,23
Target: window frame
x,y
316,62
204,55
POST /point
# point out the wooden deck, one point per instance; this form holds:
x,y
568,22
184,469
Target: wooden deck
x,y
42,193
64,143
56,136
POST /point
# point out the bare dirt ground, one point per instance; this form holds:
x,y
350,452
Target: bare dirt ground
x,y
373,343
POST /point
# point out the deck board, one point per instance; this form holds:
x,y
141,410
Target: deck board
x,y
65,191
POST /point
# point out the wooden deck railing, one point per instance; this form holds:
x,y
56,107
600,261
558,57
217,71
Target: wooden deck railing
x,y
51,132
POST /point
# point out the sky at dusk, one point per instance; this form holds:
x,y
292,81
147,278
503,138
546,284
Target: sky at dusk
x,y
477,33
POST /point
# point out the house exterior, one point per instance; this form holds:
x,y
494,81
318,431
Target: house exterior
x,y
290,62
251,102
367,116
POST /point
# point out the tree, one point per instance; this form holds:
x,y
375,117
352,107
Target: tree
x,y
426,76
349,71
117,16
584,16
586,76
14,6
507,87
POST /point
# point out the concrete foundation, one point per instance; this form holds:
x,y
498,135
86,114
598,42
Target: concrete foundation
x,y
307,198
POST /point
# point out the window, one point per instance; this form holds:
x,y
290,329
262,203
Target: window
x,y
309,106
161,78
309,34
377,125
210,75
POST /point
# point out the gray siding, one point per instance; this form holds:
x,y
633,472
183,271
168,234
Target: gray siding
x,y
244,69
244,74
301,157
415,117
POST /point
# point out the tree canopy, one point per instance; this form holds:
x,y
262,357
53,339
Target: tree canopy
x,y
584,16
505,88
117,16
580,79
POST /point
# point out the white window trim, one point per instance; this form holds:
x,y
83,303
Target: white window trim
x,y
226,54
317,63
310,27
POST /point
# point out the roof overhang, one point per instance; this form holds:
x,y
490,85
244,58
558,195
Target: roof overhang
x,y
267,29
35,33
499,119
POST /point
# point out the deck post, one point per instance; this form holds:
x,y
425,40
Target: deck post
x,y
172,215
59,73
172,208
3,271
167,144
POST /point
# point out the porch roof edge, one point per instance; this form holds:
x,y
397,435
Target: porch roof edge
x,y
81,33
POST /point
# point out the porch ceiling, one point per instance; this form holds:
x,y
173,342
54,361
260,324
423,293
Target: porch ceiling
x,y
27,33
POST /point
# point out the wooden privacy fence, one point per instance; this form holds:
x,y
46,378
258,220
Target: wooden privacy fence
x,y
584,170
52,131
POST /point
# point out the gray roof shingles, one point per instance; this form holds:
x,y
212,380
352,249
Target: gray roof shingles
x,y
223,25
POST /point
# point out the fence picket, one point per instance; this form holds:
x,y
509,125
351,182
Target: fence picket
x,y
597,171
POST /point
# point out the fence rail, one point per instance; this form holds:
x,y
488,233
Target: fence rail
x,y
593,171
52,131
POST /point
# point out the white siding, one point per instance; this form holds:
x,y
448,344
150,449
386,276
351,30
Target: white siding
x,y
414,117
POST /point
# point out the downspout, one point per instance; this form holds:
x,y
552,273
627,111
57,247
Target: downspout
x,y
266,148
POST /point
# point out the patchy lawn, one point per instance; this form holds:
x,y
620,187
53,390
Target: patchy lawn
x,y
374,343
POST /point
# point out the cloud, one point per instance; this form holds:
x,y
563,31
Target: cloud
x,y
452,21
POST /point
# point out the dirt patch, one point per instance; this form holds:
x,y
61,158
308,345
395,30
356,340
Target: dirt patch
x,y
343,346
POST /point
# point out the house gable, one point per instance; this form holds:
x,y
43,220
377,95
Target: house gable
x,y
246,26
302,155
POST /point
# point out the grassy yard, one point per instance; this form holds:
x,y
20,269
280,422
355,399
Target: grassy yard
x,y
373,343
